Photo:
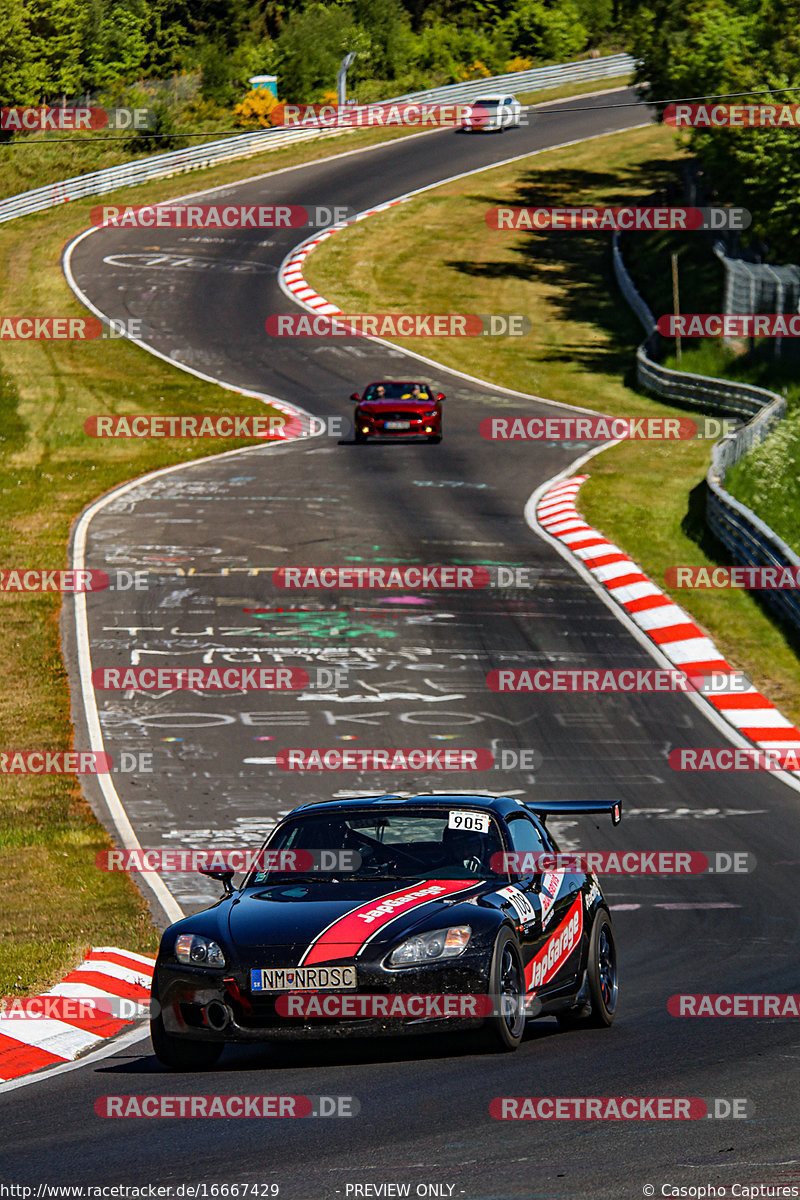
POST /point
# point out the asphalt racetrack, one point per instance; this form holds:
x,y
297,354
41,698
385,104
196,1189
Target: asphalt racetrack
x,y
210,535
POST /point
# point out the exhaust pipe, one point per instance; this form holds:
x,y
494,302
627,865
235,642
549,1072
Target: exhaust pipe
x,y
217,1015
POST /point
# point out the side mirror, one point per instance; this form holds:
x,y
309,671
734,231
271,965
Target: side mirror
x,y
224,877
441,396
355,396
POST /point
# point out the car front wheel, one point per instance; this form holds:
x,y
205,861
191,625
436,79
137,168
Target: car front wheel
x,y
503,1030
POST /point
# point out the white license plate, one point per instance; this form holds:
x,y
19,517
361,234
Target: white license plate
x,y
301,979
398,424
472,822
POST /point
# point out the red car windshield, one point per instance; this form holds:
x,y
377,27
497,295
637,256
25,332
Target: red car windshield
x,y
397,391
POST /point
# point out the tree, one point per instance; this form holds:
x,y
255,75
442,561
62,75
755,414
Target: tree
x,y
311,46
56,40
121,49
709,48
539,31
389,29
17,80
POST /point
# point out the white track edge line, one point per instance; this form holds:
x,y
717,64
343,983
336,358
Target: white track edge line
x,y
115,806
120,1042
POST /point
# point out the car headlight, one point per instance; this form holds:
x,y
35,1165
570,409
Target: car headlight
x,y
428,416
198,951
425,947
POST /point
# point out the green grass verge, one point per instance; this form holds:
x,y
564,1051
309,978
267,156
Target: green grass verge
x,y
646,497
768,480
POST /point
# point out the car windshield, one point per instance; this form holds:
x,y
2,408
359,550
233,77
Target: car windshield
x,y
481,103
447,843
397,391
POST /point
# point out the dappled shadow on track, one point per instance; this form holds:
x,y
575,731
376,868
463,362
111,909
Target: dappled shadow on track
x,y
575,267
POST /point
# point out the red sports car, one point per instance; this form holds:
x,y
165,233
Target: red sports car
x,y
395,409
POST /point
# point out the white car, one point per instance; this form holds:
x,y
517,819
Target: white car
x,y
495,113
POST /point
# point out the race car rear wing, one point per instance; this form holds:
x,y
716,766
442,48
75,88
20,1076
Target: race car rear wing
x,y
551,808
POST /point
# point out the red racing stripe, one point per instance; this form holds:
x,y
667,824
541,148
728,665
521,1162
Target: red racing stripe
x,y
346,936
563,941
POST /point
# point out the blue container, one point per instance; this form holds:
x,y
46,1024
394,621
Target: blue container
x,y
268,82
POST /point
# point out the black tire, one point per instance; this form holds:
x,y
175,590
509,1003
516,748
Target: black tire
x,y
435,438
181,1054
502,1032
359,438
601,977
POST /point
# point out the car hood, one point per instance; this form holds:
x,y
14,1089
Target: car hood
x,y
325,922
379,407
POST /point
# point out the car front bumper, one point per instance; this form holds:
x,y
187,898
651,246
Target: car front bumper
x,y
417,427
192,1001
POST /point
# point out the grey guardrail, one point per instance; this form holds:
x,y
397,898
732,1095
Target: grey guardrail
x,y
700,391
724,396
159,166
749,540
244,145
533,80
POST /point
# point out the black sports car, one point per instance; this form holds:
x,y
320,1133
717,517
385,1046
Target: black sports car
x,y
425,907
